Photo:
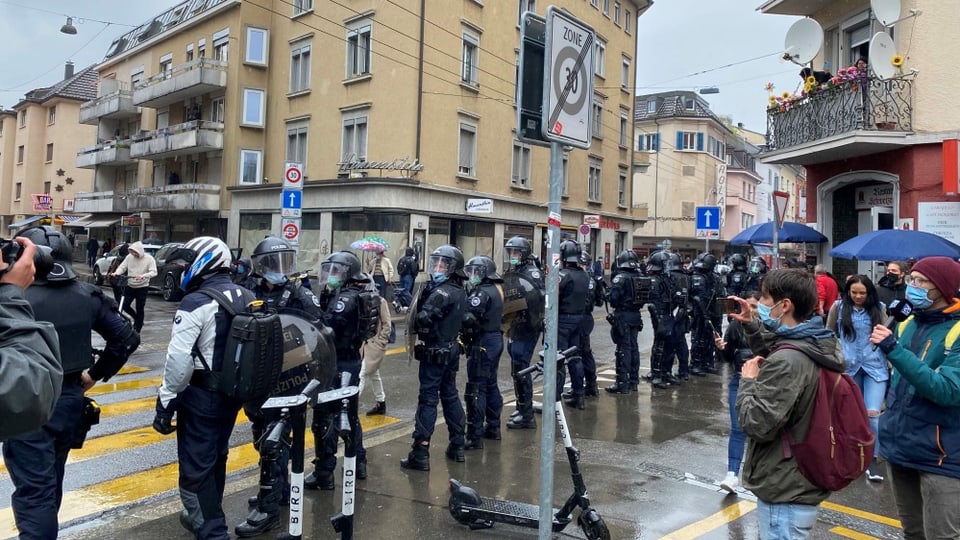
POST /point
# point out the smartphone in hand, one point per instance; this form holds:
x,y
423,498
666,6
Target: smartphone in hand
x,y
729,305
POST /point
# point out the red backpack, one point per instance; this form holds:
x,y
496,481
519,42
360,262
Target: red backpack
x,y
839,445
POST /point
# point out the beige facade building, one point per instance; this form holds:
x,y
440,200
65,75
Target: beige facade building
x,y
39,138
403,121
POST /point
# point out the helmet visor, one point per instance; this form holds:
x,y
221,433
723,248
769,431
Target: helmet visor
x,y
338,271
474,271
757,266
440,265
275,266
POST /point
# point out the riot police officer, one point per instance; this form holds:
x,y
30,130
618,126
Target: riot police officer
x,y
596,295
572,299
524,281
680,308
758,269
36,459
438,319
660,307
629,291
353,313
483,340
272,261
704,291
737,278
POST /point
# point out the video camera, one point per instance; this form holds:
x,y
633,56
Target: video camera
x,y
42,258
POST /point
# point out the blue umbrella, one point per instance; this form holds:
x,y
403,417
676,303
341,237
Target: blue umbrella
x,y
762,233
895,244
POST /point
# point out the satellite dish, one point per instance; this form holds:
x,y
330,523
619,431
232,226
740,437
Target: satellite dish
x,y
803,42
882,51
887,12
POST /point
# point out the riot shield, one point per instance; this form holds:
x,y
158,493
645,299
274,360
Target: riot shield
x,y
522,300
308,353
412,323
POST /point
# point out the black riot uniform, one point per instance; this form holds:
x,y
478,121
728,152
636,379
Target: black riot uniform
x,y
662,316
347,309
705,289
681,311
523,283
483,340
629,291
36,460
572,299
279,294
756,271
738,277
596,296
438,319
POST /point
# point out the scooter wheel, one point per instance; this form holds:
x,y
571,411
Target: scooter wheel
x,y
593,526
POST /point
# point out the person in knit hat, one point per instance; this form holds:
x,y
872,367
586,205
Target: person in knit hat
x,y
919,430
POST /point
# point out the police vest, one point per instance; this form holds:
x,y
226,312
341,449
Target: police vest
x,y
73,309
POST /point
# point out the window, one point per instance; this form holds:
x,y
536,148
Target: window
x,y
52,115
521,165
302,6
19,154
202,48
622,187
616,12
625,73
136,76
299,66
525,5
597,117
216,110
297,142
594,3
358,49
257,40
254,102
46,187
355,137
469,73
624,127
689,140
166,66
746,220
689,103
599,57
17,191
593,181
49,156
648,142
23,117
221,45
606,7
251,166
651,107
190,52
627,21
467,152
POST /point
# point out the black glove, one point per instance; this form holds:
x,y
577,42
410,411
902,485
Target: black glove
x,y
641,325
163,421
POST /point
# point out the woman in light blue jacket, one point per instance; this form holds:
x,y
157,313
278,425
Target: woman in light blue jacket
x,y
853,317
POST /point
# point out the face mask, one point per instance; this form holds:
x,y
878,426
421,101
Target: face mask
x,y
438,277
515,261
918,297
275,278
765,318
333,282
474,281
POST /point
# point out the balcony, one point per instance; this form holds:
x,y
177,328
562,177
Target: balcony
x,y
114,101
95,203
195,78
174,198
191,137
108,153
841,121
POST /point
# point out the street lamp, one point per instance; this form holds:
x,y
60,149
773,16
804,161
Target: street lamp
x,y
69,28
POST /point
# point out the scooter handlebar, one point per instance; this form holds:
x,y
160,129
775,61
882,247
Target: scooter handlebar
x,y
561,356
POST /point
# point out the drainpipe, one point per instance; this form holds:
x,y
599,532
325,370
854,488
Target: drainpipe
x,y
423,9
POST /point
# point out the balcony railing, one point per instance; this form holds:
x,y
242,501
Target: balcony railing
x,y
112,153
116,104
869,104
181,139
195,78
174,198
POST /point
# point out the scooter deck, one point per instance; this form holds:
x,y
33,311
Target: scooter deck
x,y
518,511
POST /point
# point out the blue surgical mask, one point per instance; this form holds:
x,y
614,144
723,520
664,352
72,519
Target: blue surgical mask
x,y
438,277
275,278
918,297
769,322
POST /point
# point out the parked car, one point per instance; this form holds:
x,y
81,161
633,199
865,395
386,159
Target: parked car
x,y
172,260
102,265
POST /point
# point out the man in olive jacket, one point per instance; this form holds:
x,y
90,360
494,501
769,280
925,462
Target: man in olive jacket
x,y
777,391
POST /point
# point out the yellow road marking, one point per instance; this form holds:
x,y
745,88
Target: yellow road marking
x,y
849,533
126,370
861,514
107,388
709,523
124,408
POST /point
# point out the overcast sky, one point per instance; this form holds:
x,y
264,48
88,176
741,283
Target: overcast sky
x,y
677,38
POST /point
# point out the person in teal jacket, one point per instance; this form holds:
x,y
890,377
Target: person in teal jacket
x,y
920,430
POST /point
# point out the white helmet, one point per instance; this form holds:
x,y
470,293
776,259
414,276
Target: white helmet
x,y
210,255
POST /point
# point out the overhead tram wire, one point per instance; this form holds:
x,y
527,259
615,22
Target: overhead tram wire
x,y
45,73
79,18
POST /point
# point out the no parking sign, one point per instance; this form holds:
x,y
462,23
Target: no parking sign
x,y
290,230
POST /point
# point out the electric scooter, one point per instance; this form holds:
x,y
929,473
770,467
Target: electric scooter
x,y
469,508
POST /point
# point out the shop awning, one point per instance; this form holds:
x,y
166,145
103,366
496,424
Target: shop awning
x,y
29,220
70,219
93,222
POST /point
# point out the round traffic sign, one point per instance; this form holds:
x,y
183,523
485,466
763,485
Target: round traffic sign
x,y
566,61
292,174
291,231
584,229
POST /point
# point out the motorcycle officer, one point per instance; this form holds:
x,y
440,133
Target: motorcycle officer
x,y
349,316
36,459
628,294
524,330
572,295
483,340
438,319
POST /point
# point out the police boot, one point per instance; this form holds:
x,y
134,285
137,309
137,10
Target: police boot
x,y
523,421
257,523
525,418
418,459
255,500
696,370
361,471
473,443
670,379
322,480
574,401
591,390
455,453
658,381
619,387
379,408
492,433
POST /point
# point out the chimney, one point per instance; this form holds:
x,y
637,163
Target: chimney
x,y
740,125
68,70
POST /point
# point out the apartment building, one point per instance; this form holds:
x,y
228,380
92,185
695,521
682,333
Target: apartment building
x,y
878,152
682,149
401,114
39,138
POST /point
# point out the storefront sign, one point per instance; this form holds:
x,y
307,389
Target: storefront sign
x,y
352,163
940,218
42,202
479,206
609,224
880,195
68,205
593,220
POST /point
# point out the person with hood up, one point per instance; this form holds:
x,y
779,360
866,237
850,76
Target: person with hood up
x,y
139,268
777,392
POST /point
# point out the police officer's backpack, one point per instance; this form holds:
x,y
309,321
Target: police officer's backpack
x,y
253,353
368,314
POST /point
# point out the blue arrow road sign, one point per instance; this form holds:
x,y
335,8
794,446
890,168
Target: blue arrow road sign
x,y
292,198
708,218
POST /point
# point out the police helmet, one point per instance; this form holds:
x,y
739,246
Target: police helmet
x,y
738,262
627,260
274,259
569,251
517,250
758,266
657,262
674,262
446,261
243,266
52,260
210,256
705,262
585,258
481,267
341,267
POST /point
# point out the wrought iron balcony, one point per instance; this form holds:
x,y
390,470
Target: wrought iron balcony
x,y
862,104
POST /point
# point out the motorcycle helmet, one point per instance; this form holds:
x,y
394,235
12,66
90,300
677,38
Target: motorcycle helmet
x,y
210,256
